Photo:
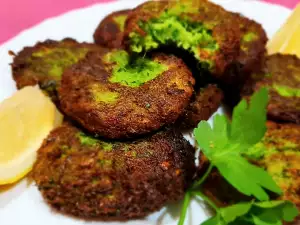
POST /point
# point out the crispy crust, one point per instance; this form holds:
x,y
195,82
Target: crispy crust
x,y
131,180
280,70
250,59
251,53
138,110
108,33
204,104
227,35
25,75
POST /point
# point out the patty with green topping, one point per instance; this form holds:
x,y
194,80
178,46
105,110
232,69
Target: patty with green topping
x,y
281,75
227,44
278,153
115,95
205,101
44,63
110,31
86,177
187,24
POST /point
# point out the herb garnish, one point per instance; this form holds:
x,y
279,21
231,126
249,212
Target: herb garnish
x,y
224,145
259,213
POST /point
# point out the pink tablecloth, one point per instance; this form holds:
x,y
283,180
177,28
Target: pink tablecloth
x,y
17,15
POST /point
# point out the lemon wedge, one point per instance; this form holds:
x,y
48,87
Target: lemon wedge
x,y
26,118
286,40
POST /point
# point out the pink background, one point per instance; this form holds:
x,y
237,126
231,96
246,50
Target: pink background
x,y
17,15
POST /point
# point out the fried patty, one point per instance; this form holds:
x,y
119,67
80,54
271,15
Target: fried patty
x,y
278,153
281,75
281,158
205,101
110,31
44,63
86,177
251,51
252,47
115,96
204,104
228,44
188,24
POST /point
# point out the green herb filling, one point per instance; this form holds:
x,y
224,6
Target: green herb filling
x,y
52,62
92,141
170,29
250,36
120,20
286,91
105,96
87,140
133,72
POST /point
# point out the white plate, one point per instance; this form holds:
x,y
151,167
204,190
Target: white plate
x,y
23,204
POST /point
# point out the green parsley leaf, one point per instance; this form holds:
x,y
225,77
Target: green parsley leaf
x,y
248,123
216,220
284,209
224,144
252,213
231,213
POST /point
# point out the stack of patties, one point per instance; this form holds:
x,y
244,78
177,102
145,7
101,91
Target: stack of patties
x,y
155,72
116,156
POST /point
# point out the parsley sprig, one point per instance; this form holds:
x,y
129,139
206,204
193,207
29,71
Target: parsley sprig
x,y
223,145
259,213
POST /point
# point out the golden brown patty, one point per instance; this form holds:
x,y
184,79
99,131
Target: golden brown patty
x,y
281,158
217,47
90,178
203,105
110,31
204,102
44,63
281,75
110,99
278,153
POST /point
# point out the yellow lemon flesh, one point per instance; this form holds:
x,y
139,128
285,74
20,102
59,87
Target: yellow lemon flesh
x,y
26,119
286,40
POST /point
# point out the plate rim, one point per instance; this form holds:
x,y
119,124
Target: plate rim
x,y
26,32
